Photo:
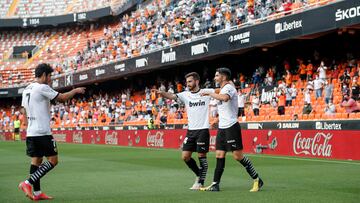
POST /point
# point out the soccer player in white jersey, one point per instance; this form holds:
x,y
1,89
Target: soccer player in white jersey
x,y
39,140
229,133
198,136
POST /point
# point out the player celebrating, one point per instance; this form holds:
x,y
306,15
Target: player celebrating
x,y
39,140
197,137
229,134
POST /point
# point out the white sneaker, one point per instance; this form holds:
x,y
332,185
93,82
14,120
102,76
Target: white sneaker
x,y
196,185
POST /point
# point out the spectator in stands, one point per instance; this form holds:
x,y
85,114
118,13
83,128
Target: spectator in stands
x,y
295,117
242,81
318,86
310,84
288,95
335,73
307,96
329,88
293,92
302,70
330,109
241,103
256,78
274,103
179,113
163,117
345,90
309,70
282,101
350,104
355,89
307,108
255,104
322,71
269,78
345,79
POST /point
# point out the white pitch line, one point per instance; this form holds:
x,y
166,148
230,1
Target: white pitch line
x,y
305,159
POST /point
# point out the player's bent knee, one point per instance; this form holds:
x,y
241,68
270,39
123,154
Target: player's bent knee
x,y
200,155
238,155
53,160
186,157
36,161
220,154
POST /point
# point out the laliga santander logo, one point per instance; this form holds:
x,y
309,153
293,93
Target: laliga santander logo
x,y
316,146
77,137
156,140
111,138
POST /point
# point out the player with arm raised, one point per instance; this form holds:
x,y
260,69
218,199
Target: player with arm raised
x,y
198,137
39,140
229,133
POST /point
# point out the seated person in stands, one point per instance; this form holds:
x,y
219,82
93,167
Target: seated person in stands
x,y
295,117
355,89
330,109
274,102
307,108
350,105
179,114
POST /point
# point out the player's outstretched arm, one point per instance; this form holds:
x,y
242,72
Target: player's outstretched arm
x,y
167,95
220,97
62,97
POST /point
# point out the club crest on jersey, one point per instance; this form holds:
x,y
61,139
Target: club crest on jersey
x,y
199,103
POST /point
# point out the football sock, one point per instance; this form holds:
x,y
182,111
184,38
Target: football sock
x,y
220,165
202,169
36,184
249,167
193,166
40,172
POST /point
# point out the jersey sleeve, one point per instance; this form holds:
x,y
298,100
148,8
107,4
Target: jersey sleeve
x,y
208,90
48,92
229,90
23,99
181,96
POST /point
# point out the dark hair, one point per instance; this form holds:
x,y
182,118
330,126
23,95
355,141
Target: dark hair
x,y
224,71
195,75
43,68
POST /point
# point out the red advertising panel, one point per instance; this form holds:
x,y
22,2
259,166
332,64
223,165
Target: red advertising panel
x,y
332,144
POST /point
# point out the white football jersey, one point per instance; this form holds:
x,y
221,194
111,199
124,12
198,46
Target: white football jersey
x,y
197,108
228,111
36,101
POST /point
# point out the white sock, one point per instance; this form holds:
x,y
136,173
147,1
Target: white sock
x,y
27,182
36,193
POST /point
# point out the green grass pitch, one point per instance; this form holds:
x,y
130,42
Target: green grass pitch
x,y
98,173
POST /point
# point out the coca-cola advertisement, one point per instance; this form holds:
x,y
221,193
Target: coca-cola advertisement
x,y
330,144
314,146
304,143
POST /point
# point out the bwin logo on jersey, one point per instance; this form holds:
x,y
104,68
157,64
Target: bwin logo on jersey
x,y
199,103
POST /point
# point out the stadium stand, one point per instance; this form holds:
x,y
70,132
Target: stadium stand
x,y
124,107
155,25
43,8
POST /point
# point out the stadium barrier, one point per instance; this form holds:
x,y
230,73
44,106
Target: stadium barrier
x,y
55,20
311,139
